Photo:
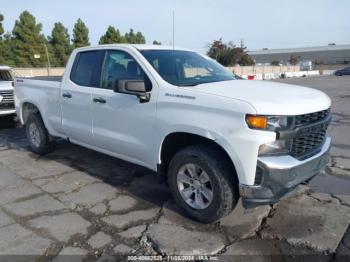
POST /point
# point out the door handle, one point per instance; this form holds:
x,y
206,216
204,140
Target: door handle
x,y
99,100
67,95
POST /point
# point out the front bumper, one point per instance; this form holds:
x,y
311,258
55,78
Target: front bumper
x,y
7,112
282,174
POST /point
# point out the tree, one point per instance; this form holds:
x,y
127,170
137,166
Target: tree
x,y
59,45
111,36
133,38
222,53
80,34
275,63
130,37
294,59
228,54
139,38
6,46
28,43
155,42
2,47
1,28
2,59
242,57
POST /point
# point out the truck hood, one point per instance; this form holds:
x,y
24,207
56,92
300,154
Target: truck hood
x,y
269,98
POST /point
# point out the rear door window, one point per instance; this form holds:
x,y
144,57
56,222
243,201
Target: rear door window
x,y
87,66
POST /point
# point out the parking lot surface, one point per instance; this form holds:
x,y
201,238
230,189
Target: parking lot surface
x,y
78,204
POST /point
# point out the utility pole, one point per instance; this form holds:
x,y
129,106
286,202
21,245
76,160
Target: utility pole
x,y
173,30
242,43
48,60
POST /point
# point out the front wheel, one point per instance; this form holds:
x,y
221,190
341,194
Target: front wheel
x,y
203,183
39,138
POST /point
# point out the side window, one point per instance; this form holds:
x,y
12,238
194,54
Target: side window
x,y
86,70
119,65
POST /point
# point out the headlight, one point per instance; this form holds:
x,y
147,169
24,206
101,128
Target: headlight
x,y
278,147
272,123
269,122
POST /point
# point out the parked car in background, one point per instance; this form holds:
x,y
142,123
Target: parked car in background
x,y
180,113
7,103
344,71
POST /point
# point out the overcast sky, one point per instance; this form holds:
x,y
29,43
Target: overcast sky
x,y
268,23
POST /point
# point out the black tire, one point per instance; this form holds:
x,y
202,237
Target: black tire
x,y
45,144
222,177
338,74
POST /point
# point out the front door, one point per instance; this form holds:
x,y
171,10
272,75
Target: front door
x,y
121,124
76,96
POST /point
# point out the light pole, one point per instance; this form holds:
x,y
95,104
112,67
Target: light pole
x,y
173,30
48,60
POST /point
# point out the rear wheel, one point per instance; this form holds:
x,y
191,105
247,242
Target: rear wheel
x,y
39,139
338,74
202,183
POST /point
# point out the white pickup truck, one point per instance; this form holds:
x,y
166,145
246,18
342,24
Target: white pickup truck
x,y
7,104
213,137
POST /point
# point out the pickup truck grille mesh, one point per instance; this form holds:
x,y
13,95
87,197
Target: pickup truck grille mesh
x,y
7,96
306,119
7,101
311,138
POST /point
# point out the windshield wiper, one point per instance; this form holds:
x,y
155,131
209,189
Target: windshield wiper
x,y
190,84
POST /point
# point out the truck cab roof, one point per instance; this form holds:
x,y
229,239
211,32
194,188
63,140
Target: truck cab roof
x,y
133,46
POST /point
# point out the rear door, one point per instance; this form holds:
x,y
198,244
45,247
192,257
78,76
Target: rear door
x,y
76,96
121,124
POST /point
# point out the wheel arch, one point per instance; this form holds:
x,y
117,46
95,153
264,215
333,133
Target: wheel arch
x,y
175,141
28,108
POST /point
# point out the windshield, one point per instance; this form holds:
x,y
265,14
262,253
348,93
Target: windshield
x,y
186,68
5,75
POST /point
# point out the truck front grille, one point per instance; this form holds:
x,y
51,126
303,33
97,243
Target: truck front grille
x,y
7,106
7,96
311,138
306,119
7,102
308,145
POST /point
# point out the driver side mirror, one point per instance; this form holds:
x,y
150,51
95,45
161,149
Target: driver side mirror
x,y
133,87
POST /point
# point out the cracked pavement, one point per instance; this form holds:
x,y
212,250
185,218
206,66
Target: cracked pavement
x,y
78,202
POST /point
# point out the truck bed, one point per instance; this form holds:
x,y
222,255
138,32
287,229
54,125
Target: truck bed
x,y
45,78
44,93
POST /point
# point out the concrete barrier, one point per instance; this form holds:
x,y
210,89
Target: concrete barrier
x,y
269,76
32,72
256,70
